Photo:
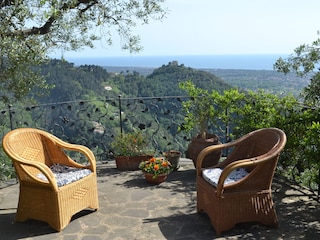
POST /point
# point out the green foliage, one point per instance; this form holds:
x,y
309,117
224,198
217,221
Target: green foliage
x,y
166,79
227,106
70,82
242,111
311,173
156,166
258,110
130,144
303,125
304,61
6,167
270,81
210,108
199,109
31,29
300,156
16,60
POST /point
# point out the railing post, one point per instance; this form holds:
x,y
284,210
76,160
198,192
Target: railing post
x,y
227,139
120,114
10,116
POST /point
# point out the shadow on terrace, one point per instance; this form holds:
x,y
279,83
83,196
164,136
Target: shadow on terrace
x,y
131,208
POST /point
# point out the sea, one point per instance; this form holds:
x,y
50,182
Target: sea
x,y
249,62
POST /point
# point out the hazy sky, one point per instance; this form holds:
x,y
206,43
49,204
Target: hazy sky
x,y
215,27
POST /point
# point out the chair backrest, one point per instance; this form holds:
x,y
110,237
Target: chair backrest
x,y
25,145
257,143
262,146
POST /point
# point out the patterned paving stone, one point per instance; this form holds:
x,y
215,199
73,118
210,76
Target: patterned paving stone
x,y
131,208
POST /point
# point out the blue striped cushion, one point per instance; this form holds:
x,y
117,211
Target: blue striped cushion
x,y
212,175
65,174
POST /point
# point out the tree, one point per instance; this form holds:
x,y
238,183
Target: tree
x,y
304,61
31,29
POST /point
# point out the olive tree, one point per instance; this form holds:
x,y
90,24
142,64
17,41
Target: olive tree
x,y
304,62
304,124
31,29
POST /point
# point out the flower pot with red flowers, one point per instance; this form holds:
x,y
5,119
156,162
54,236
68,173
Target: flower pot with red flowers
x,y
156,170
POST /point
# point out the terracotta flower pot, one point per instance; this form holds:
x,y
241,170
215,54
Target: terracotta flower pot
x,y
173,157
197,144
157,180
130,163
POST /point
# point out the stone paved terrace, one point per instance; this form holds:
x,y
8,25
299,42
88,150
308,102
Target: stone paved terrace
x,y
130,208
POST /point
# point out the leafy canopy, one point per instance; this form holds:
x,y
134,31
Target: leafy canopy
x,y
31,29
304,62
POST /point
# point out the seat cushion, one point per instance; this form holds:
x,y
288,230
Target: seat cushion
x,y
65,174
212,175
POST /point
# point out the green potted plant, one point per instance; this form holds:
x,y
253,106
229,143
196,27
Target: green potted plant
x,y
155,169
130,149
199,111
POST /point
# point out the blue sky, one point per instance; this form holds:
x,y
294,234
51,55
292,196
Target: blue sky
x,y
218,27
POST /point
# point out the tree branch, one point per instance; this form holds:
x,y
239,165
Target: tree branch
x,y
6,3
46,27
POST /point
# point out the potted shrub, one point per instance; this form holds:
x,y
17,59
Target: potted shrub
x,y
130,149
156,170
199,111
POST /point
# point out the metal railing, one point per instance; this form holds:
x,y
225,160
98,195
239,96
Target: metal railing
x,y
94,123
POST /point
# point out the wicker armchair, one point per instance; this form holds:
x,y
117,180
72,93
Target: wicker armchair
x,y
41,197
229,199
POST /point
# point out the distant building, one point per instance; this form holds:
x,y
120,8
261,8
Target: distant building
x,y
173,63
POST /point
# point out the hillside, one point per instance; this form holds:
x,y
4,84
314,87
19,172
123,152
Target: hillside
x,y
89,81
84,107
90,102
268,80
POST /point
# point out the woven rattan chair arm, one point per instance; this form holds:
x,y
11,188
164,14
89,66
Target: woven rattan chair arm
x,y
244,163
44,169
78,148
210,149
228,169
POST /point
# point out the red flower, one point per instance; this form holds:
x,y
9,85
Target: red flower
x,y
165,164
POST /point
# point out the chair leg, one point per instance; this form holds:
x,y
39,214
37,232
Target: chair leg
x,y
199,207
271,219
20,216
